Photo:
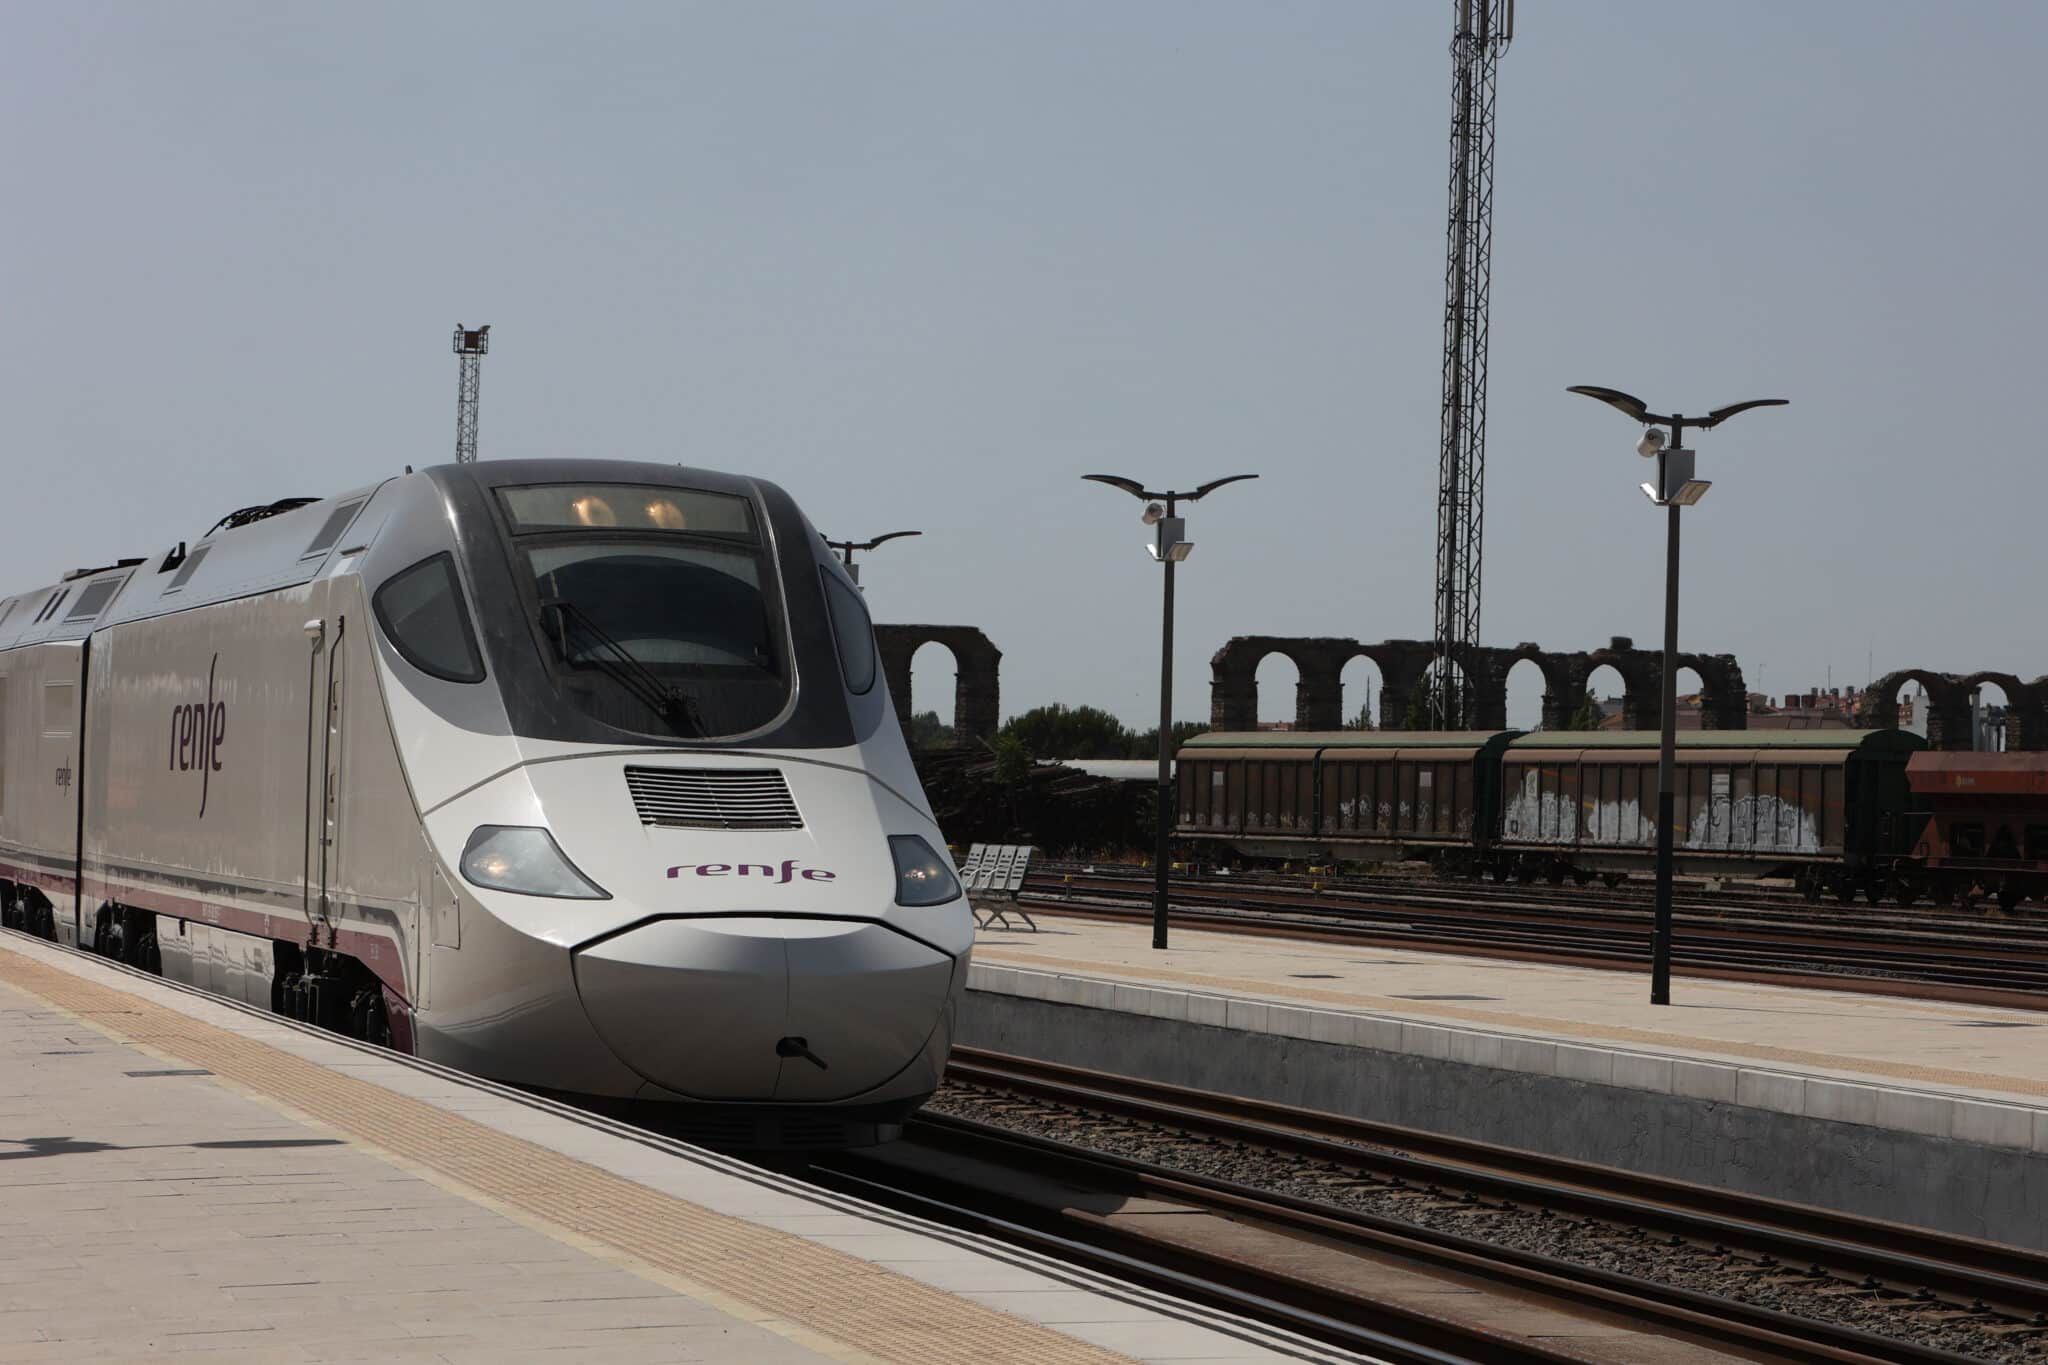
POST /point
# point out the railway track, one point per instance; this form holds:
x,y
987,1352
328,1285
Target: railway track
x,y
2005,965
1350,1233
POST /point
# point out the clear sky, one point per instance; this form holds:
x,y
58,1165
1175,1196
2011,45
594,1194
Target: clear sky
x,y
927,264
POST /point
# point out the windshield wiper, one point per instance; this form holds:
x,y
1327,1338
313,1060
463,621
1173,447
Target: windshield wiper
x,y
623,667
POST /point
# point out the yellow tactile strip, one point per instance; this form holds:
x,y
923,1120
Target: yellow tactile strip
x,y
1568,1030
878,1313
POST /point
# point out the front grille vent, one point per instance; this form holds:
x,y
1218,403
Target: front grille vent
x,y
713,798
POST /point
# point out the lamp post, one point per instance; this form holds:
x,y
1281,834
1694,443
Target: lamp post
x,y
847,547
1171,547
1675,488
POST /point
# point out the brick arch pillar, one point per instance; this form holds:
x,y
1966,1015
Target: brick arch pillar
x,y
1319,692
2026,720
1234,686
977,693
1724,695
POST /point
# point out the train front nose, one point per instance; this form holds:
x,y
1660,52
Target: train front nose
x,y
759,1008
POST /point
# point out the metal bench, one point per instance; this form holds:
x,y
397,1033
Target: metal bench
x,y
993,870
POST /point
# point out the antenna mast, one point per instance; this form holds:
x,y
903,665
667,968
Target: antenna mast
x,y
470,349
1485,28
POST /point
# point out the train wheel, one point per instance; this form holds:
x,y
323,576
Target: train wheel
x,y
1581,876
2008,898
1845,891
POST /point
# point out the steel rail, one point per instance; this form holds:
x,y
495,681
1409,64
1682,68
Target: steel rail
x,y
1587,940
1411,1338
1759,1332
1904,1257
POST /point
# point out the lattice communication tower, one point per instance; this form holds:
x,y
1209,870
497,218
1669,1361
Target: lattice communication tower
x,y
1485,28
470,349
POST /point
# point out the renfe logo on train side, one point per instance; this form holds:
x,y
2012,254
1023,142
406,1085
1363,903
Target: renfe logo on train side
x,y
197,729
783,875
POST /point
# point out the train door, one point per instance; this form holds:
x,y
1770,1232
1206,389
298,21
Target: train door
x,y
324,758
57,822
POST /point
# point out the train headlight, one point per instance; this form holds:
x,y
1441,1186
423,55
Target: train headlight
x,y
922,877
526,862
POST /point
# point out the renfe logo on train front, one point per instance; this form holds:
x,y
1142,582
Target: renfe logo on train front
x,y
197,729
782,875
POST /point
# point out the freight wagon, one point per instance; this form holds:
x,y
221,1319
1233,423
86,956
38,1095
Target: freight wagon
x,y
1829,808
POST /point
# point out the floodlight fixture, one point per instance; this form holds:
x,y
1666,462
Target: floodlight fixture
x,y
1674,488
1170,548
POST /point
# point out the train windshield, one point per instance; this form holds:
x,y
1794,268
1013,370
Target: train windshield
x,y
656,606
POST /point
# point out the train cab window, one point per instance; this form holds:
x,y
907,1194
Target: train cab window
x,y
853,632
423,616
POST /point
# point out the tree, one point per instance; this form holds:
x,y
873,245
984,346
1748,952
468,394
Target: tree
x,y
1420,715
1060,731
927,732
1013,761
1363,720
1588,716
1146,743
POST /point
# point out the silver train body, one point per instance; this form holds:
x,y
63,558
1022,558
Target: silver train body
x,y
580,776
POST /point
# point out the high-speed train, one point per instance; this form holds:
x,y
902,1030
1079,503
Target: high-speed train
x,y
579,775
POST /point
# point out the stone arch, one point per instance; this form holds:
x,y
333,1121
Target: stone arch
x,y
977,697
1642,676
1318,695
1948,707
1401,664
1724,694
1564,682
2025,726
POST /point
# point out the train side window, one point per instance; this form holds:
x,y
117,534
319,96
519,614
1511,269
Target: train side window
x,y
423,616
854,632
57,709
1966,840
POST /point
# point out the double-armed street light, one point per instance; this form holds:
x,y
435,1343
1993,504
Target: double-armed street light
x,y
846,550
1675,488
1170,547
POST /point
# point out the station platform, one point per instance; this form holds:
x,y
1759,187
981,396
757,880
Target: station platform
x,y
1908,1109
191,1179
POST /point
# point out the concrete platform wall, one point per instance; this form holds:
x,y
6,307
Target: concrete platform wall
x,y
1978,1189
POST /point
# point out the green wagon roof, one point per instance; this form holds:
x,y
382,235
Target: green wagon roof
x,y
1875,740
1723,739
1343,739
